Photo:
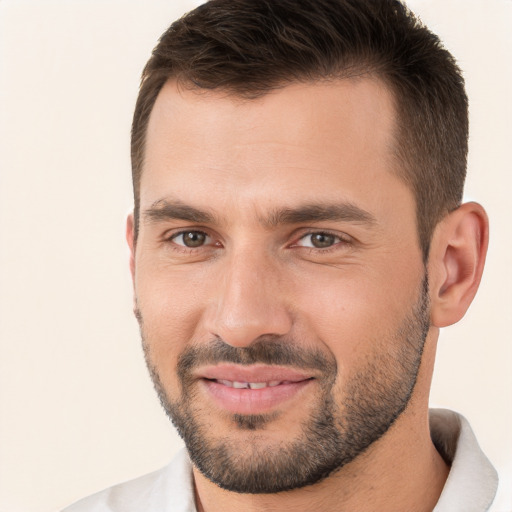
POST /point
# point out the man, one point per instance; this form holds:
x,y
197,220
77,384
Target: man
x,y
297,242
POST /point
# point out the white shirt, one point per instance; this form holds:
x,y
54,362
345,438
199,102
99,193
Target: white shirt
x,y
470,487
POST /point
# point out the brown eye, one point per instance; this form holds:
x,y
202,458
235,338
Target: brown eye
x,y
191,239
319,240
322,240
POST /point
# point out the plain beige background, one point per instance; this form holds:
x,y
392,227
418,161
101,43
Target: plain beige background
x,y
78,412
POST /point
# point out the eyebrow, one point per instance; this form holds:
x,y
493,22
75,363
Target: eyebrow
x,y
164,209
347,212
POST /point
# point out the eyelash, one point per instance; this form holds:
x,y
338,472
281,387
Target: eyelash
x,y
170,239
342,240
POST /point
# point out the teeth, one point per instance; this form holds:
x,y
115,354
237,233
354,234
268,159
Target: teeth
x,y
249,385
257,385
240,385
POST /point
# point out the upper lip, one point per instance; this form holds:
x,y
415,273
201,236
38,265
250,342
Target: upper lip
x,y
253,373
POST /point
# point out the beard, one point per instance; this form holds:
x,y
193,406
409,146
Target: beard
x,y
335,432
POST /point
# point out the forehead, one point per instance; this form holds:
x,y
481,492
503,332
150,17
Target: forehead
x,y
298,142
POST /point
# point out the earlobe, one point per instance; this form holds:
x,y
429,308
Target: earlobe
x,y
130,239
456,262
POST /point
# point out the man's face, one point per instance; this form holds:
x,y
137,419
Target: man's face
x,y
278,278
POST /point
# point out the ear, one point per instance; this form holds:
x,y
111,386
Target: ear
x,y
130,238
456,262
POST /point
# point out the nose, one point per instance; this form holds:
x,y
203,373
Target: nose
x,y
249,301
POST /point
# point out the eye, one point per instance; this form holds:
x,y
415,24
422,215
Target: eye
x,y
191,239
319,240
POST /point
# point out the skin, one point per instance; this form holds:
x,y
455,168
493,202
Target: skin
x,y
243,160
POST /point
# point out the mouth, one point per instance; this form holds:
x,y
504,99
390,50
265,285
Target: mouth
x,y
251,385
252,390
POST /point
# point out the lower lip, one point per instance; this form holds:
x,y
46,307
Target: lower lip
x,y
253,401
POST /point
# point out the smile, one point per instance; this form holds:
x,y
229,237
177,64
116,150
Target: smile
x,y
251,385
255,389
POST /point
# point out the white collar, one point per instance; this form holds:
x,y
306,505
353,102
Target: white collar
x,y
472,481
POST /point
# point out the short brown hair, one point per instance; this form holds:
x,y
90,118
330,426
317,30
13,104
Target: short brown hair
x,y
250,47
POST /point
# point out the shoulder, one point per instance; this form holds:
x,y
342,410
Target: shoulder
x,y
167,489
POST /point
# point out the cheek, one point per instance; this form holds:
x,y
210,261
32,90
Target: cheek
x,y
170,306
355,315
171,297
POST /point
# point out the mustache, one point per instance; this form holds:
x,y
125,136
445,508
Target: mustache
x,y
268,350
